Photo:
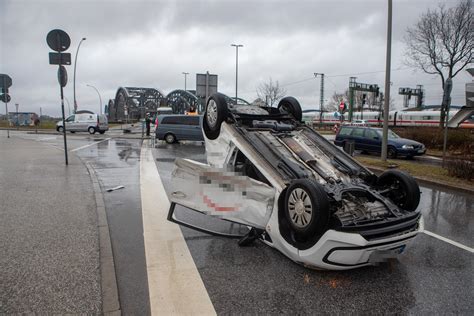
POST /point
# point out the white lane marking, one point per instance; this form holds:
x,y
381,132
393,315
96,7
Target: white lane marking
x,y
46,138
88,145
449,241
174,283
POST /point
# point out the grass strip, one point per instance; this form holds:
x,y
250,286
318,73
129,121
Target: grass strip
x,y
422,171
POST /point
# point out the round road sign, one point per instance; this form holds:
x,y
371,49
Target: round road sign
x,y
62,76
5,81
5,98
58,40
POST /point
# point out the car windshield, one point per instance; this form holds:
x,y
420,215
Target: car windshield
x,y
391,134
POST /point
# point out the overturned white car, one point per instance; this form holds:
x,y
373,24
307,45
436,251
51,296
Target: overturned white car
x,y
298,192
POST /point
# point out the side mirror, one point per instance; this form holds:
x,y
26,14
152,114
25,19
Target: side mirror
x,y
376,137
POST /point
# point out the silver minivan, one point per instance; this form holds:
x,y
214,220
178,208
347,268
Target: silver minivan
x,y
85,121
173,128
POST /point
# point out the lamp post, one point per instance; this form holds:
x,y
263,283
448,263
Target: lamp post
x,y
236,67
185,75
100,98
74,80
68,105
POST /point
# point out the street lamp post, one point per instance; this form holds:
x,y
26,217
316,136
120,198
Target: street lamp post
x,y
68,105
185,75
236,67
100,98
74,80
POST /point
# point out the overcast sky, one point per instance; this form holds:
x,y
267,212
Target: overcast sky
x,y
150,43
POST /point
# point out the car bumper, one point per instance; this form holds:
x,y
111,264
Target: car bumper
x,y
342,251
411,152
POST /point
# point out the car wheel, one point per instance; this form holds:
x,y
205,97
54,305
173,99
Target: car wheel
x,y
401,188
91,130
101,132
391,152
306,208
216,112
61,129
170,138
291,106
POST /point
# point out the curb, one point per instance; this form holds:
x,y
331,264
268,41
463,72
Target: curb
x,y
429,181
108,280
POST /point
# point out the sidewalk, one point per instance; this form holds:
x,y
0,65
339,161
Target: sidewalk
x,y
49,249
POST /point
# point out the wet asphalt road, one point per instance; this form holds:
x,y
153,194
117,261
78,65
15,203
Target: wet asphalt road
x,y
431,277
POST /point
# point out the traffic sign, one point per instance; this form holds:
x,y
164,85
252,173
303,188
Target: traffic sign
x,y
62,76
59,58
5,81
5,98
58,40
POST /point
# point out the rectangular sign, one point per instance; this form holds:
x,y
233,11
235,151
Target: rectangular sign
x,y
54,58
206,85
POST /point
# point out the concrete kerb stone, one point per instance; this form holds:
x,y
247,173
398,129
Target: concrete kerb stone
x,y
110,297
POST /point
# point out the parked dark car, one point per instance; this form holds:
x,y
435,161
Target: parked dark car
x,y
369,139
173,128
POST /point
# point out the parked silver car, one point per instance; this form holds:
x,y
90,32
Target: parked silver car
x,y
85,121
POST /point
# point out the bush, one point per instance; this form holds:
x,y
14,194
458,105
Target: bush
x,y
461,168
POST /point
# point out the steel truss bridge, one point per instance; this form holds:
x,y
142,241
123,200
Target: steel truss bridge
x,y
136,102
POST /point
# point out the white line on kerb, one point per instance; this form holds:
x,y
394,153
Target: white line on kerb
x,y
174,284
449,241
88,145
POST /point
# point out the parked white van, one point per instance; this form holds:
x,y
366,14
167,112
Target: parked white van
x,y
85,121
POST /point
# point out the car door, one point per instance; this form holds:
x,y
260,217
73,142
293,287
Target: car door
x,y
357,136
372,140
194,127
220,193
69,123
80,123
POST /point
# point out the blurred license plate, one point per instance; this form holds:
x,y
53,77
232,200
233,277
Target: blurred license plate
x,y
383,255
421,150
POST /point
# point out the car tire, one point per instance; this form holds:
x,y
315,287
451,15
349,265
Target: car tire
x,y
216,112
391,152
61,129
170,138
91,130
306,208
291,106
404,191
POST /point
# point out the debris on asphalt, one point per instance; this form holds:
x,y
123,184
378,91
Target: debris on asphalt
x,y
115,188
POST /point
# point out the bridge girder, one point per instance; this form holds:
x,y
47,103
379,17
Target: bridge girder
x,y
181,100
137,101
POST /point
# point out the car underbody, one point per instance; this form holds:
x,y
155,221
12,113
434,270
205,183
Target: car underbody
x,y
294,189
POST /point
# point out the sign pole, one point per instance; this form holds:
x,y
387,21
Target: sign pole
x,y
6,105
62,103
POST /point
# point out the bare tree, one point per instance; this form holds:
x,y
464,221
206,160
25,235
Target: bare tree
x,y
336,98
270,92
442,42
